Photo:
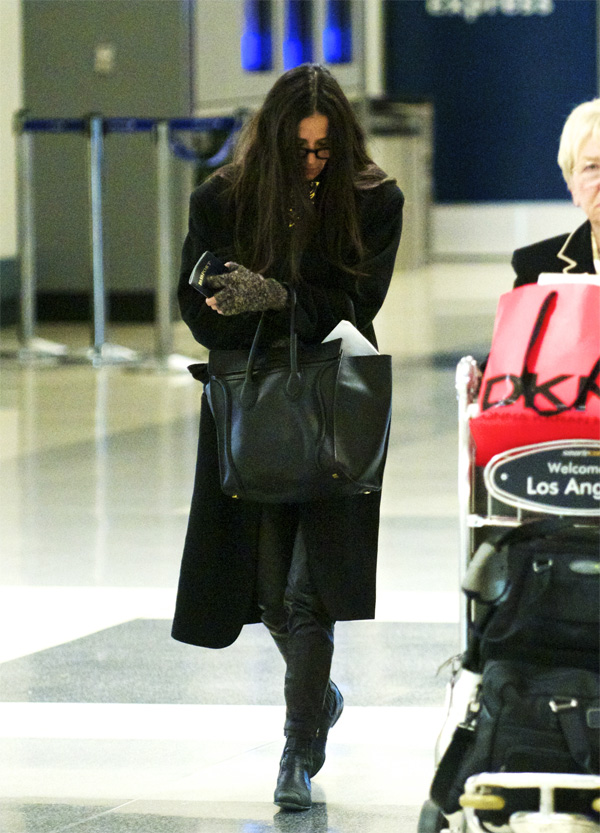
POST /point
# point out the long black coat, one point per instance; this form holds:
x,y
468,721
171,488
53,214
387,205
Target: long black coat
x,y
565,253
217,592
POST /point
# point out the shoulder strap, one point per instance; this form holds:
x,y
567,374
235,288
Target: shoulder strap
x,y
568,713
527,531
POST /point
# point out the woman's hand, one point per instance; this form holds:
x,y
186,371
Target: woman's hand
x,y
241,290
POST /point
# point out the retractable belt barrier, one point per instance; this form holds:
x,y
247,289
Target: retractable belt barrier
x,y
95,127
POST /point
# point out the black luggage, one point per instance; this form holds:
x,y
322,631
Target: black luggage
x,y
527,718
535,641
538,589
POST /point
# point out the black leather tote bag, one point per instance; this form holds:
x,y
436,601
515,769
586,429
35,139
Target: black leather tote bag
x,y
298,423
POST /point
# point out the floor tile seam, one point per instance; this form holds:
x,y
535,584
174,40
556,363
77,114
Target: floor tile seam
x,y
210,767
74,825
116,722
444,513
166,785
84,437
10,591
85,611
8,655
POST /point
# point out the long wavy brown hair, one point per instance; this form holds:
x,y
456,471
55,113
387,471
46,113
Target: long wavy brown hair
x,y
269,186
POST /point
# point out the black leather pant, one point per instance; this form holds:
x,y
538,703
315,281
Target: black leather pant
x,y
295,617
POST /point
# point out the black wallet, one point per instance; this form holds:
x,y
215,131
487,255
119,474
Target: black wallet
x,y
207,265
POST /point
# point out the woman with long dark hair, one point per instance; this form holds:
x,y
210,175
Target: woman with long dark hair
x,y
301,205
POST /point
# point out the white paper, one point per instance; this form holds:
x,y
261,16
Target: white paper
x,y
353,342
568,277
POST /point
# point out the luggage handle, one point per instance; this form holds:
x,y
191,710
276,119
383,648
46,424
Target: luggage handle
x,y
567,711
295,383
526,374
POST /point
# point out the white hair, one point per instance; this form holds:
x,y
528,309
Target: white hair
x,y
582,124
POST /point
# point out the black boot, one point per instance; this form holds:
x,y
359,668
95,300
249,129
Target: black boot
x,y
332,709
293,784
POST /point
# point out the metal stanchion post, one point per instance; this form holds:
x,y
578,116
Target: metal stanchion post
x,y
31,347
164,333
26,235
101,352
164,358
96,149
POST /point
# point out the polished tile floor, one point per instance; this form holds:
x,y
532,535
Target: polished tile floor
x,y
109,726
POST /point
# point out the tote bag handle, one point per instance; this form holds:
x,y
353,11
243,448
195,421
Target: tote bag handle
x,y
295,384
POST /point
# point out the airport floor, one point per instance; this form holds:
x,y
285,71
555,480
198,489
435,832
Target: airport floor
x,y
107,725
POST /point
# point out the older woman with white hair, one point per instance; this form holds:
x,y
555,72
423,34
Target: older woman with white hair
x,y
579,160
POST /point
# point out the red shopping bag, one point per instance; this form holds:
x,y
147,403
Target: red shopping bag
x,y
541,379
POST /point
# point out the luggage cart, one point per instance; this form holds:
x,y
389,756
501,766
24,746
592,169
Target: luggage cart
x,y
502,492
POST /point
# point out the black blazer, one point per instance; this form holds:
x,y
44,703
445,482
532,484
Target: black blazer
x,y
565,253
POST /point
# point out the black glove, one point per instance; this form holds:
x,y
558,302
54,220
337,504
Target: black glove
x,y
244,291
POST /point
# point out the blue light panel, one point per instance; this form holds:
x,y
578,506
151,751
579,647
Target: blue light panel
x,y
256,44
337,35
298,42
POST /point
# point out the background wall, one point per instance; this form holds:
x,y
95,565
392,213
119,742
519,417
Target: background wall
x,y
503,75
136,58
117,58
10,102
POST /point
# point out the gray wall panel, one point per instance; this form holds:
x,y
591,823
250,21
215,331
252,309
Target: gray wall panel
x,y
150,42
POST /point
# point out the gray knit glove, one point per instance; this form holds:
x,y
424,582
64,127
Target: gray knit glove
x,y
241,290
